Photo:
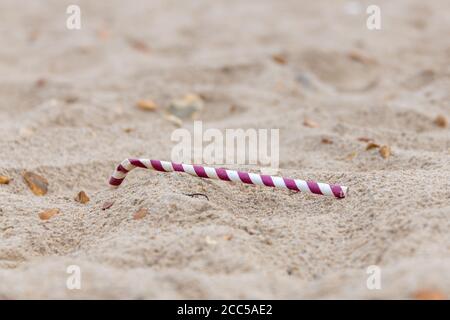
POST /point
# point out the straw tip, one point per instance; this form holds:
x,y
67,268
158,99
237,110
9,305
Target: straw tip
x,y
344,191
114,182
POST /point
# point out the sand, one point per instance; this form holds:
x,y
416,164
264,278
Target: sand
x,y
67,112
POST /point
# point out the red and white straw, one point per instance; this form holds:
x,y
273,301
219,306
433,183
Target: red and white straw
x,y
228,175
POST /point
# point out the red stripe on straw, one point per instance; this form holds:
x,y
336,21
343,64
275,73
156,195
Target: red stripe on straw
x,y
137,163
222,174
290,183
245,178
314,187
337,191
177,167
200,171
121,169
157,165
267,180
115,182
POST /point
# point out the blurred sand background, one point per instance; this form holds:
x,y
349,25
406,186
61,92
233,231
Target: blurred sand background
x,y
68,112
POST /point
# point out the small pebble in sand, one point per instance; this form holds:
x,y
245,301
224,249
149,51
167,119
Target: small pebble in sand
x,y
174,120
365,139
25,132
103,34
147,105
82,197
48,214
141,213
429,295
351,156
34,35
37,184
385,152
305,80
139,45
107,205
4,180
279,58
71,99
420,79
326,141
187,107
361,58
372,145
41,82
228,237
210,241
441,121
310,123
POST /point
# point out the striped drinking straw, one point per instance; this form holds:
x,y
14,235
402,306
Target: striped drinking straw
x,y
325,189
